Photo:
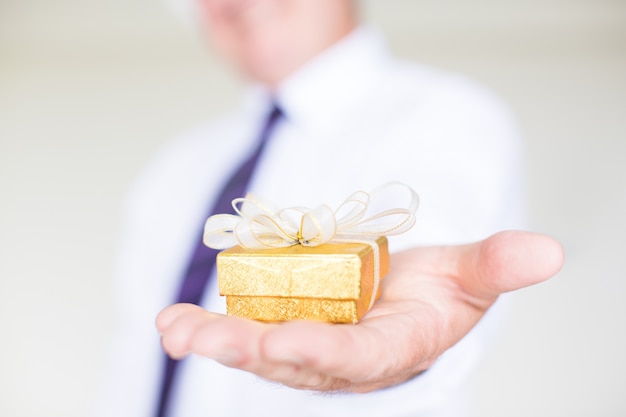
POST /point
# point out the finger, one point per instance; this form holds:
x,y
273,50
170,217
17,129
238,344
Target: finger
x,y
169,314
187,328
178,325
301,347
374,350
237,342
301,377
232,341
511,260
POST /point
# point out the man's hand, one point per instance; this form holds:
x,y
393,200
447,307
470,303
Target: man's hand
x,y
430,299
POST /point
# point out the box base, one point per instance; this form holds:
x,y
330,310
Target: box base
x,y
284,308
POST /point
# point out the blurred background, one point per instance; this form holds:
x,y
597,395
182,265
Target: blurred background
x,y
89,89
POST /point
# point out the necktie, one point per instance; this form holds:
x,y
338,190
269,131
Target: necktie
x,y
202,262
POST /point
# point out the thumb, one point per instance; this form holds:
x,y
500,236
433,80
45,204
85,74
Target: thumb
x,y
509,261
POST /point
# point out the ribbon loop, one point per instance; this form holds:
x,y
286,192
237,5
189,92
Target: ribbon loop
x,y
317,226
352,209
219,231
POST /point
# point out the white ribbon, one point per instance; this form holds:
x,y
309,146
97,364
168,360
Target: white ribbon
x,y
259,226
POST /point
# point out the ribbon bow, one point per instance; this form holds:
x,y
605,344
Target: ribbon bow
x,y
257,226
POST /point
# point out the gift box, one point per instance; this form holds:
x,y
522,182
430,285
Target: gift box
x,y
333,282
315,264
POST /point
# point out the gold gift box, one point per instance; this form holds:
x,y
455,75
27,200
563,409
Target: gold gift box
x,y
331,282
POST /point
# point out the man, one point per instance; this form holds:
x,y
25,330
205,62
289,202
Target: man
x,y
353,118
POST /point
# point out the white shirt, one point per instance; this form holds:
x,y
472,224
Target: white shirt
x,y
355,118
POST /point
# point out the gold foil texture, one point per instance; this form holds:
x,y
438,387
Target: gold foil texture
x,y
331,282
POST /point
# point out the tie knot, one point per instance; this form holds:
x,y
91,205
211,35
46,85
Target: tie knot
x,y
273,116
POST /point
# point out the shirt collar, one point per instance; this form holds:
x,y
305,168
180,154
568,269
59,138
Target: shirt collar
x,y
317,95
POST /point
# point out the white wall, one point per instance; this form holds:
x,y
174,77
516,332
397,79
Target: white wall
x,y
89,89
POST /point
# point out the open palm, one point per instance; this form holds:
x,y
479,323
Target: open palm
x,y
430,299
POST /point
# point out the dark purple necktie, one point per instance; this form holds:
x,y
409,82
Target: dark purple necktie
x,y
202,262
